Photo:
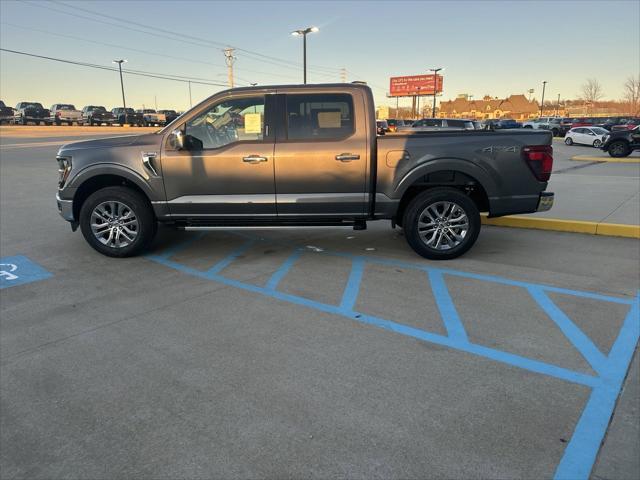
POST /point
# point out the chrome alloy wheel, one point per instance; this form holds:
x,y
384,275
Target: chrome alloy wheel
x,y
443,225
114,224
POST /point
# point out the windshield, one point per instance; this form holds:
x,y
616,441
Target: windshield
x,y
599,131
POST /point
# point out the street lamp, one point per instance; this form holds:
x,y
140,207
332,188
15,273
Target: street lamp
x,y
544,85
304,32
124,104
435,84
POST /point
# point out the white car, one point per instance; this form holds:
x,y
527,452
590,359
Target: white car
x,y
586,136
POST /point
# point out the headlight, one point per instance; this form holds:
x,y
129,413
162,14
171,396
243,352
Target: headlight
x,y
64,169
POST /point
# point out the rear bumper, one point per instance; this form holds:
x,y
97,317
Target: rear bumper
x,y
546,201
65,208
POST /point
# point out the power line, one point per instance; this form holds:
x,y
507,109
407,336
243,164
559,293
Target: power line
x,y
175,78
179,37
123,47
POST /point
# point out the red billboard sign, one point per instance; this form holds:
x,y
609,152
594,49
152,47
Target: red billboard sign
x,y
415,85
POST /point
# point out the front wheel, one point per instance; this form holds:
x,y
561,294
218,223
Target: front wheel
x,y
117,221
619,149
441,223
597,143
568,141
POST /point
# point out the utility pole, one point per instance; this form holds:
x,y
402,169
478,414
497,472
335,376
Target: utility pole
x,y
343,75
124,103
544,85
190,101
229,59
558,106
155,101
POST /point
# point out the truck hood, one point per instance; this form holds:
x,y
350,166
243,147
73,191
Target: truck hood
x,y
148,139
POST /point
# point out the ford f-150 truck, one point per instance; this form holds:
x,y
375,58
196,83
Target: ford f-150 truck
x,y
299,155
65,112
31,112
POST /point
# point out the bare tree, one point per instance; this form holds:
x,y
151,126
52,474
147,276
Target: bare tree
x,y
632,94
592,91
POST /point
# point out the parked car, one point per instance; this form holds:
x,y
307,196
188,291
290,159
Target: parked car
x,y
6,113
31,112
566,125
151,117
97,115
65,113
170,115
127,116
582,122
545,123
586,136
331,167
500,124
621,143
394,123
431,124
382,127
625,124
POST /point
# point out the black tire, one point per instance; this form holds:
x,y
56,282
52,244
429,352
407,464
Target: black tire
x,y
597,143
415,210
619,149
58,123
133,200
555,132
568,141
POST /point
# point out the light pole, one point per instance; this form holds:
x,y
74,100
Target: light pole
x,y
124,104
435,85
304,32
544,85
558,106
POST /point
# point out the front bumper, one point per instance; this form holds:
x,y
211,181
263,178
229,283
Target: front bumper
x,y
65,208
546,202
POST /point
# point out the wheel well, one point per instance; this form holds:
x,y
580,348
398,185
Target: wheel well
x,y
445,178
96,183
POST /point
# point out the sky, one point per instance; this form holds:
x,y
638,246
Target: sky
x,y
487,47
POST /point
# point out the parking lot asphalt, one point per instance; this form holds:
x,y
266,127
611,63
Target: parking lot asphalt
x,y
311,352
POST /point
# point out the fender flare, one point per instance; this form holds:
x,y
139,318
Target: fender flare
x,y
473,170
100,169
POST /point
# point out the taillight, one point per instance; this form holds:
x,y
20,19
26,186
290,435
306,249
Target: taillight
x,y
57,114
540,160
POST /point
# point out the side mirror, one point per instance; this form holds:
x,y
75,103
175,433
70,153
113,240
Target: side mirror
x,y
176,139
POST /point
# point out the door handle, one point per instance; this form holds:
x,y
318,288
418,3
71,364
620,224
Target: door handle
x,y
147,161
254,159
347,157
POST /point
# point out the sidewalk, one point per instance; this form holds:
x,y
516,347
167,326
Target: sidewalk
x,y
591,196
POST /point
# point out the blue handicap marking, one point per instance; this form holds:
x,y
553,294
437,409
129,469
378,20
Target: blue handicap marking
x,y
19,270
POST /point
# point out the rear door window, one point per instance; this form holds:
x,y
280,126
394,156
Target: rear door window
x,y
319,116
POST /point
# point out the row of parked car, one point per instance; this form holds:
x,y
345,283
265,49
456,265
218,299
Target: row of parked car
x,y
65,113
619,136
559,126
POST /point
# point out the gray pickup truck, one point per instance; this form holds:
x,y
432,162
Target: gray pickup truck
x,y
299,155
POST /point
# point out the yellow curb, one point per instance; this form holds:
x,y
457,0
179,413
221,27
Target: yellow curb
x,y
559,225
588,158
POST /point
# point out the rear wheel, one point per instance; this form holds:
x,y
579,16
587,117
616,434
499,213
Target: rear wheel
x,y
555,132
568,141
441,223
117,221
619,149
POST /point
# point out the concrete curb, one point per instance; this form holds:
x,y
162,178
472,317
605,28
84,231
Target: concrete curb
x,y
589,158
560,225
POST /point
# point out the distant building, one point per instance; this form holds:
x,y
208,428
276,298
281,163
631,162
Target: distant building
x,y
517,107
